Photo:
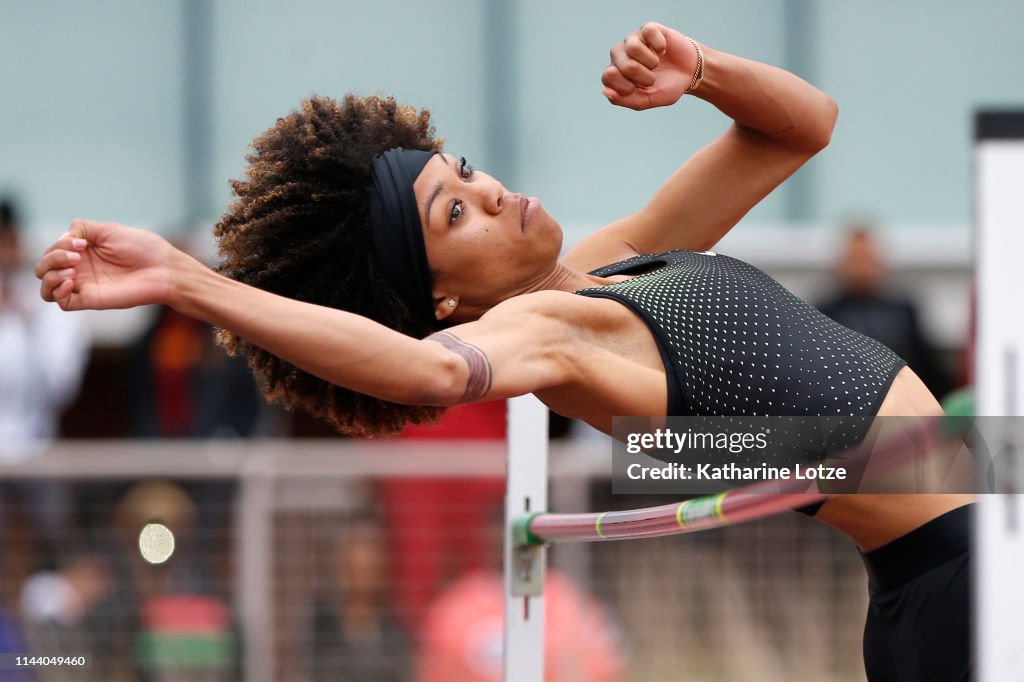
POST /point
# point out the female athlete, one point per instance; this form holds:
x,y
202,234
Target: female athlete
x,y
374,280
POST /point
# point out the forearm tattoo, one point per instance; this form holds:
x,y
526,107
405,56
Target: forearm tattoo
x,y
479,381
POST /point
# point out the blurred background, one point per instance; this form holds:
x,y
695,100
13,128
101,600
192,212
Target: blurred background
x,y
299,555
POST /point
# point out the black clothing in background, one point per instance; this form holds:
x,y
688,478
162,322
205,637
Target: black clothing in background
x,y
894,322
383,655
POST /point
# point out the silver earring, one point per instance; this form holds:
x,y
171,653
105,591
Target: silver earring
x,y
451,302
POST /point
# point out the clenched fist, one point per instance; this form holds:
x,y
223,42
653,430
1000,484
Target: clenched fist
x,y
652,67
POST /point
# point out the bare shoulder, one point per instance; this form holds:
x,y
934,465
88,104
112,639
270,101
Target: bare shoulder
x,y
548,305
522,345
540,325
551,323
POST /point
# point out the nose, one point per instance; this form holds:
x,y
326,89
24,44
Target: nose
x,y
495,196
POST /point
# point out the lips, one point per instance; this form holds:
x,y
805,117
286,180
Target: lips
x,y
528,207
523,204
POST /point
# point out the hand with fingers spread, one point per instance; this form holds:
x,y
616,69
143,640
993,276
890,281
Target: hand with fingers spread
x,y
653,67
98,266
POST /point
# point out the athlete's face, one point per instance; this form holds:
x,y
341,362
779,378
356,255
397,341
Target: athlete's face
x,y
484,244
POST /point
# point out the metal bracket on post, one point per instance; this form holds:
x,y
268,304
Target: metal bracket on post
x,y
528,560
528,571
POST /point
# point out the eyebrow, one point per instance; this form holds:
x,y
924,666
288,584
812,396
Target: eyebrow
x,y
437,190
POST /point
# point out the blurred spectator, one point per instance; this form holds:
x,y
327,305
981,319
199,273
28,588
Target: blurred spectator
x,y
423,514
864,305
356,635
59,609
20,548
167,503
187,638
169,616
42,351
185,386
12,641
464,628
42,354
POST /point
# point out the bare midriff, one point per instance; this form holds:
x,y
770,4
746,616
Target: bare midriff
x,y
873,520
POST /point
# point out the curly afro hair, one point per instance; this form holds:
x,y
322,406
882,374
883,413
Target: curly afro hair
x,y
300,228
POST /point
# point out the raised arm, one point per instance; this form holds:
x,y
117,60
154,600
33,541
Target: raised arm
x,y
102,265
780,121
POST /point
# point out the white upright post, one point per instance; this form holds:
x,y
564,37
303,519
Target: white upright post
x,y
526,493
999,530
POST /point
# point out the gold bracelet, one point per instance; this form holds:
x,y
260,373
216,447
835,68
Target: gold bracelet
x,y
698,74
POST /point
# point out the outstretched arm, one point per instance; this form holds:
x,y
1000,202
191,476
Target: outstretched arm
x,y
103,265
780,121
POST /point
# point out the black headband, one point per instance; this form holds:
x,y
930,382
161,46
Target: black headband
x,y
397,232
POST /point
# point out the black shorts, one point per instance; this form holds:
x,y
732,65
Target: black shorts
x,y
919,614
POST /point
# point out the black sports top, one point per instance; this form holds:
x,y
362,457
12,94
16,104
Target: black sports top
x,y
735,342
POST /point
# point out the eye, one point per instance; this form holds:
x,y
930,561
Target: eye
x,y
456,212
465,170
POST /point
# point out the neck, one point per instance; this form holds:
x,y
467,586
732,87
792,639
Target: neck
x,y
564,278
561,278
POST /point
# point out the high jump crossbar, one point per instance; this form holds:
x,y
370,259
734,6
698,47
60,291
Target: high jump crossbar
x,y
754,501
529,528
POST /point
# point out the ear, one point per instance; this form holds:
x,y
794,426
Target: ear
x,y
444,305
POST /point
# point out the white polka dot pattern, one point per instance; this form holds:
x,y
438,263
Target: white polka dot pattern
x,y
741,344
